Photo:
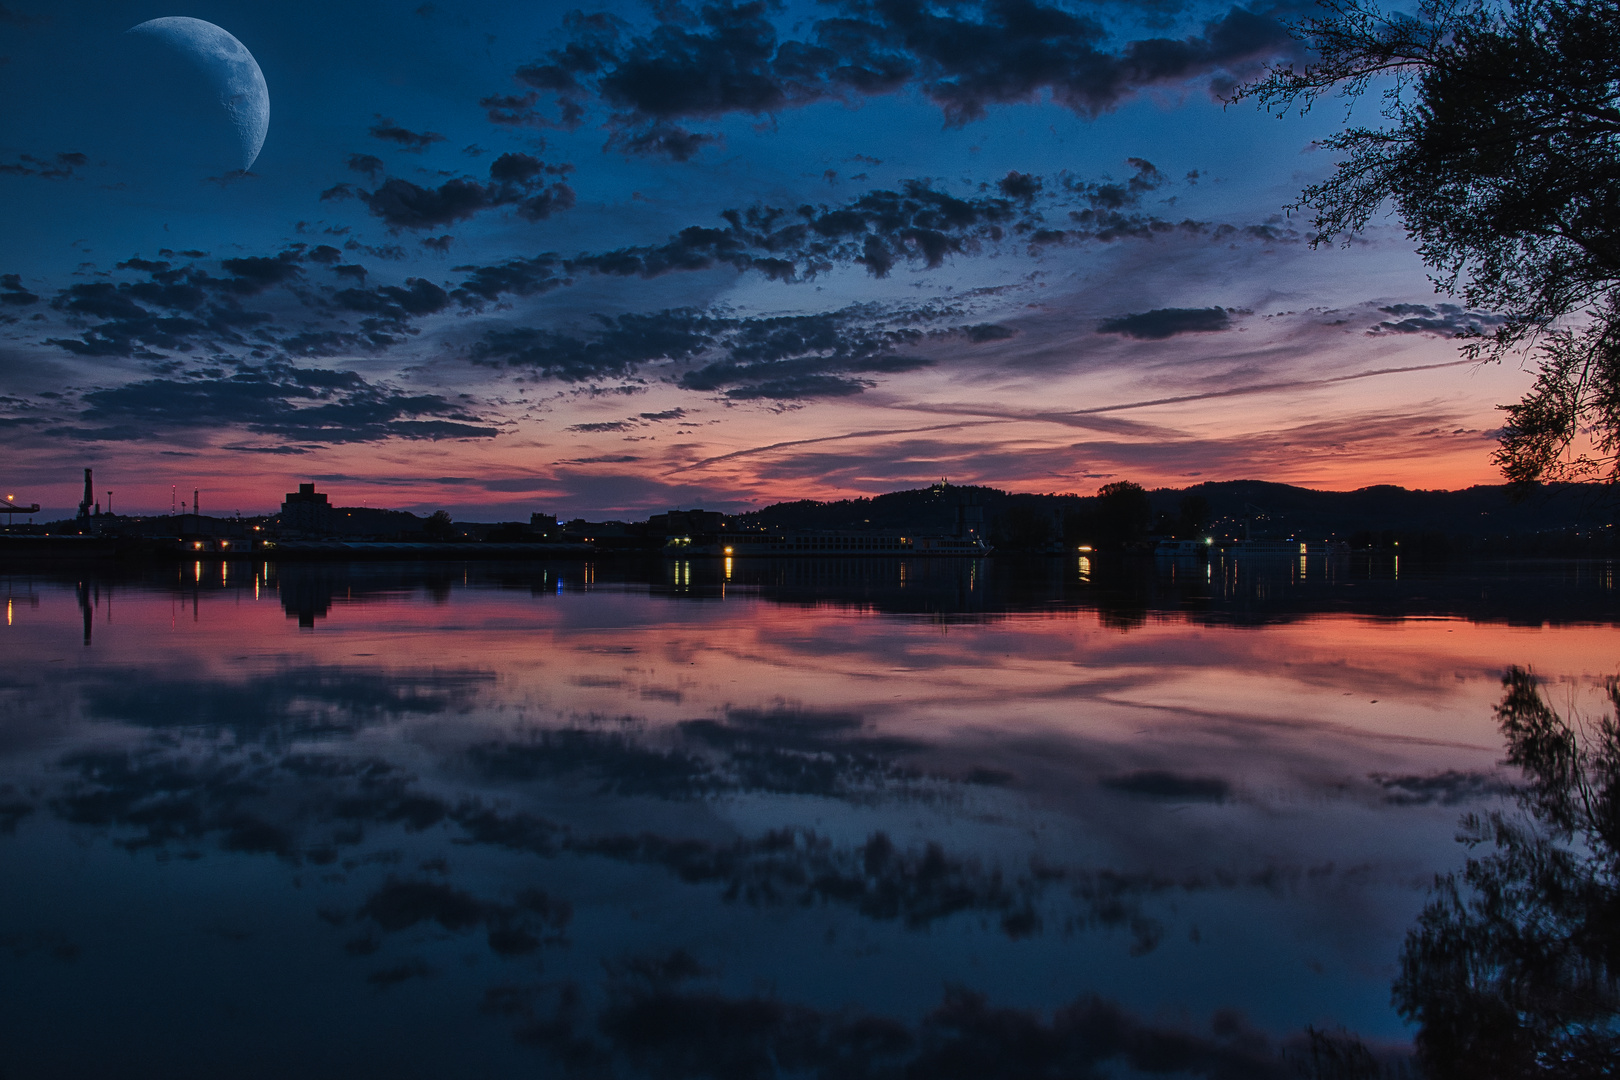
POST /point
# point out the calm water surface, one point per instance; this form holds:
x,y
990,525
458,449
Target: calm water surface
x,y
836,818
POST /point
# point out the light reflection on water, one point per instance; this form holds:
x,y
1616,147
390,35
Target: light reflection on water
x,y
705,818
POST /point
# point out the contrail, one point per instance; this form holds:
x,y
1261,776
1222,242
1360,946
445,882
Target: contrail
x,y
1262,388
1063,417
835,438
1258,388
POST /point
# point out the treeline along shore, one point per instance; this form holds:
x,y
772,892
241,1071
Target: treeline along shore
x,y
1486,521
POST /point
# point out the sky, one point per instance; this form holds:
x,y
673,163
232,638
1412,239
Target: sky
x,y
611,259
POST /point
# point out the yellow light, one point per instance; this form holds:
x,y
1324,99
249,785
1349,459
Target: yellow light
x,y
224,543
198,545
728,551
1085,547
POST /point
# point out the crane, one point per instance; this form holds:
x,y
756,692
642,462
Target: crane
x,y
12,506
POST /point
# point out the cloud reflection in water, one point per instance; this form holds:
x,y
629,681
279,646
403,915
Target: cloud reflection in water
x,y
751,828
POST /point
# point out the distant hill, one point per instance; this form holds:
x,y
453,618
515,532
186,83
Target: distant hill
x,y
923,510
1479,512
1485,519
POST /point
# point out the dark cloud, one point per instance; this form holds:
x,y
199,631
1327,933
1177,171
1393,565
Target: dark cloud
x,y
405,205
397,304
281,450
176,315
388,312
1447,320
534,188
605,425
917,225
984,332
622,345
804,356
1017,185
782,358
1164,323
178,307
878,230
441,244
370,164
413,141
255,273
12,292
515,277
59,167
1103,196
730,58
1446,788
1169,785
514,109
274,398
624,425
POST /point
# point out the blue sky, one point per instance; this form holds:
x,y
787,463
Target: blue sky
x,y
608,259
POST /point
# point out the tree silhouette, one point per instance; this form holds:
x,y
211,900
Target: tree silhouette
x,y
1514,970
1193,519
438,526
1500,151
1123,513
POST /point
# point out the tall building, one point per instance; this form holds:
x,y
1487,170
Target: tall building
x,y
306,510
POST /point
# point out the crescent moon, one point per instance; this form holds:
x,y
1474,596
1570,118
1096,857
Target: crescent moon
x,y
235,74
